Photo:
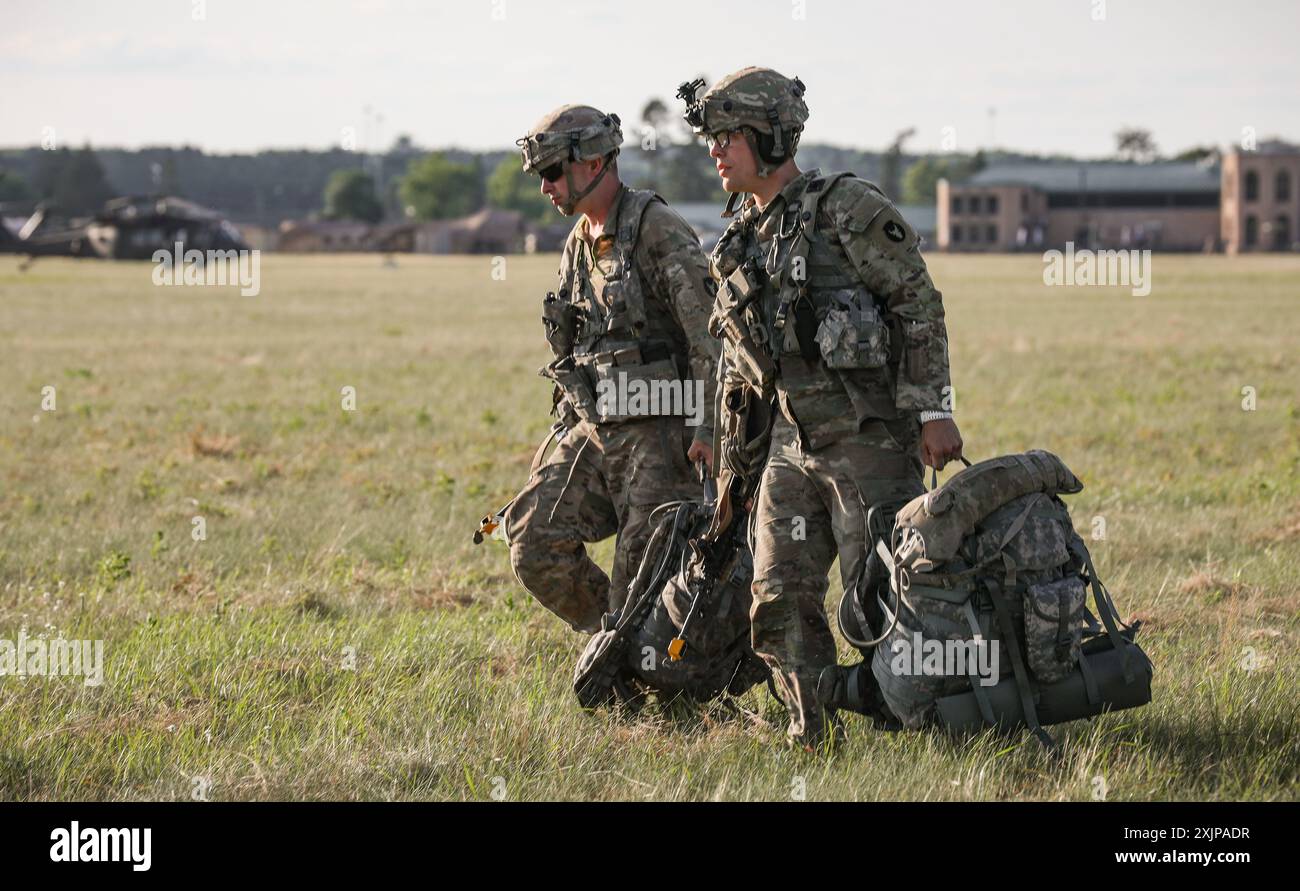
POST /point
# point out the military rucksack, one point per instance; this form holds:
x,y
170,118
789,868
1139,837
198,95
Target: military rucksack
x,y
684,628
990,561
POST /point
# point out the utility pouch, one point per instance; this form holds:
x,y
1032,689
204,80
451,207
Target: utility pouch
x,y
852,333
562,321
1054,627
577,389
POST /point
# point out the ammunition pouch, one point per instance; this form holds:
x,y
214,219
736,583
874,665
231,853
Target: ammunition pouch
x,y
851,333
562,321
578,397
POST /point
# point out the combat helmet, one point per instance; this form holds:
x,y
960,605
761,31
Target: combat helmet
x,y
766,106
570,133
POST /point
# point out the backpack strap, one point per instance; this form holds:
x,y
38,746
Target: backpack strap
x,y
1109,615
1023,684
1089,679
981,695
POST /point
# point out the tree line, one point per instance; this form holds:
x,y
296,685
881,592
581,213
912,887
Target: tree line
x,y
406,182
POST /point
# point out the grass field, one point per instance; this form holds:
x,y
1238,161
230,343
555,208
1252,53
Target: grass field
x,y
337,635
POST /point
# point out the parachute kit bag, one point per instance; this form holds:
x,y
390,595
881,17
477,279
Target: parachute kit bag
x,y
684,627
991,561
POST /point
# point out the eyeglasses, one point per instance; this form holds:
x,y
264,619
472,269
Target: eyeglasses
x,y
721,139
552,173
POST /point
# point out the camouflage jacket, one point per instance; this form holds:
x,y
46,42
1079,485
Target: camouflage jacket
x,y
676,287
859,241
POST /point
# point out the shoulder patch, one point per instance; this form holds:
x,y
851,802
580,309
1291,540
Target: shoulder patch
x,y
857,204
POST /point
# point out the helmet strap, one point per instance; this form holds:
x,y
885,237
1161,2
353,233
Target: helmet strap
x,y
763,168
571,205
778,149
731,205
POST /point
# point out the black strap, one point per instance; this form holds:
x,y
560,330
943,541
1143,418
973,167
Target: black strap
x,y
1089,680
1062,652
981,695
1018,665
1106,611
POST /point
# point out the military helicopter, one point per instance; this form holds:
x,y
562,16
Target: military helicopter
x,y
128,228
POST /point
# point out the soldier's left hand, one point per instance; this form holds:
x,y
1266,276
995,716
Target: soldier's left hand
x,y
700,452
940,442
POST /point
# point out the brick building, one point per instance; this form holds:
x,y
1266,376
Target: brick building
x,y
1247,202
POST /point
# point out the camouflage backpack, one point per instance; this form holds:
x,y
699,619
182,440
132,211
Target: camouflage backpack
x,y
684,628
987,580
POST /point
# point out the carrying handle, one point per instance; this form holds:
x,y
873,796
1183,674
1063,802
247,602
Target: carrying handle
x,y
934,474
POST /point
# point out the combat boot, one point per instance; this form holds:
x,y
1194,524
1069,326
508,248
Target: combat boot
x,y
854,689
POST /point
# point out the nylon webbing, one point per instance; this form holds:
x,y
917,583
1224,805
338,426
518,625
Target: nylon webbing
x,y
1106,611
1018,667
981,695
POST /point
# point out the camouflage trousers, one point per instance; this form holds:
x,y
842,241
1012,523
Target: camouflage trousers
x,y
808,511
600,480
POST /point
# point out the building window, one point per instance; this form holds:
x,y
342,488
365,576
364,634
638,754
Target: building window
x,y
993,204
992,233
1252,186
1024,202
974,204
974,234
956,204
956,234
1282,233
1252,231
1282,186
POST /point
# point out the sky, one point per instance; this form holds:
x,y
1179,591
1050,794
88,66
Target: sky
x,y
1033,75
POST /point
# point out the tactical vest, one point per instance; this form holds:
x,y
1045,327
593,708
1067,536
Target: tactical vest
x,y
603,345
834,351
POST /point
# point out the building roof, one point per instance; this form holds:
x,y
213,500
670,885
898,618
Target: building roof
x,y
1101,176
921,217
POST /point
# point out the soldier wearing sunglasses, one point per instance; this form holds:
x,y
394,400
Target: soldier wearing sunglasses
x,y
630,313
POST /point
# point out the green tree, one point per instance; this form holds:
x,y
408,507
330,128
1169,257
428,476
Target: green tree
x,y
1135,144
73,181
350,195
509,188
687,174
437,188
1197,153
13,187
920,183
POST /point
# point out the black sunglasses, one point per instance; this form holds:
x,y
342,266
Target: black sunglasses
x,y
552,173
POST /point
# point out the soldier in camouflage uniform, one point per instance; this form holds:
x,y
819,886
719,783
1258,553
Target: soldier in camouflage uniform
x,y
826,306
631,310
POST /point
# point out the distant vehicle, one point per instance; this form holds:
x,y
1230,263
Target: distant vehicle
x,y
129,228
